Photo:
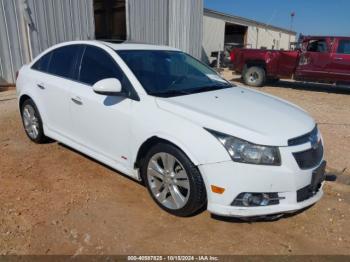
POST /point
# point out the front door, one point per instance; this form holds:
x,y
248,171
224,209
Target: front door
x,y
314,60
101,123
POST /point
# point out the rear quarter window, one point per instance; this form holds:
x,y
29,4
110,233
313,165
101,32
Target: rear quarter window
x,y
43,63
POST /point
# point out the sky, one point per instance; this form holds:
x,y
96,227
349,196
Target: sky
x,y
312,17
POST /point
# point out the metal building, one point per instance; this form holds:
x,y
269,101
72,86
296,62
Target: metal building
x,y
224,30
177,23
27,27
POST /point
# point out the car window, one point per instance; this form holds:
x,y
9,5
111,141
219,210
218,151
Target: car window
x,y
43,63
319,46
97,65
171,73
344,47
63,61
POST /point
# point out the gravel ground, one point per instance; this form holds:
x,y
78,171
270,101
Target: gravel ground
x,y
54,200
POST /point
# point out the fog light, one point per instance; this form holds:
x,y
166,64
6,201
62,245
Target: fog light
x,y
250,199
256,199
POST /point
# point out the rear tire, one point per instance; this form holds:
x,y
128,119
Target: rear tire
x,y
173,181
32,122
254,76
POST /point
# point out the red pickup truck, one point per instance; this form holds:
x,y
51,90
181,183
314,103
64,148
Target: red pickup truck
x,y
316,59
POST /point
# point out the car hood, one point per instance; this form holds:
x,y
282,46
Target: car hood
x,y
244,113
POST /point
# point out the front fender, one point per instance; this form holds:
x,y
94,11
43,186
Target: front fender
x,y
197,143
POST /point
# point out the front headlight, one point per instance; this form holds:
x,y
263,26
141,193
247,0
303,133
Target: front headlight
x,y
246,152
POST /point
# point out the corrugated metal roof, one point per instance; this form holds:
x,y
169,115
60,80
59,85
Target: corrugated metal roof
x,y
244,21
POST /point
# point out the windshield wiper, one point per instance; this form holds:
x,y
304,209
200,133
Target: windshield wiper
x,y
171,92
177,92
209,88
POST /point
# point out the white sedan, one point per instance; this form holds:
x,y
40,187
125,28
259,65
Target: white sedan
x,y
162,117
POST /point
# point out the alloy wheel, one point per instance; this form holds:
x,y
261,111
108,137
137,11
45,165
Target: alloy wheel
x,y
31,122
168,181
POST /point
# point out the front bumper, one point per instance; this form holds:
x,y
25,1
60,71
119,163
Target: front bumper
x,y
237,178
283,207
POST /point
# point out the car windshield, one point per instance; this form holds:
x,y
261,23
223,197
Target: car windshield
x,y
171,73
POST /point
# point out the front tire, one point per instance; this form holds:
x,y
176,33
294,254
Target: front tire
x,y
173,181
32,122
254,76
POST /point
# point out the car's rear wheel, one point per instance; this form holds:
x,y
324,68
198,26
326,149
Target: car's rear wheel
x,y
173,181
32,122
254,76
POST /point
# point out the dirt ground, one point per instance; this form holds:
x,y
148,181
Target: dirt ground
x,y
54,200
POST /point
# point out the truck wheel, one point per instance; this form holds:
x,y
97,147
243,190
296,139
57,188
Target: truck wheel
x,y
254,76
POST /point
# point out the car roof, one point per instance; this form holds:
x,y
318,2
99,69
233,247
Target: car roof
x,y
117,46
125,45
114,46
137,46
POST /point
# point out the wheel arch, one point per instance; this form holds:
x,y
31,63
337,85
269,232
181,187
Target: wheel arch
x,y
258,63
23,98
32,96
150,142
28,96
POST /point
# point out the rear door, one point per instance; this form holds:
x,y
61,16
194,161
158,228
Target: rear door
x,y
314,60
101,123
54,77
340,61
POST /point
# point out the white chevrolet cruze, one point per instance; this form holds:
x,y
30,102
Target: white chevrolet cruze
x,y
162,117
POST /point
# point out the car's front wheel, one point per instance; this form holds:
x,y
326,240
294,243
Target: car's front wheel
x,y
173,181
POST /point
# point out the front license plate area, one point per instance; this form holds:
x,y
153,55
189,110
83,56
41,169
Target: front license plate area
x,y
318,176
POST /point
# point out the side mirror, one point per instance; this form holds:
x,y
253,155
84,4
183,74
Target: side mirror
x,y
108,87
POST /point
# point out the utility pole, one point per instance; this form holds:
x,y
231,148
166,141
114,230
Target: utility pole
x,y
292,15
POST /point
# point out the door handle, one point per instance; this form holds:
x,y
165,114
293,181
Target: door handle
x,y
338,58
41,86
77,100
